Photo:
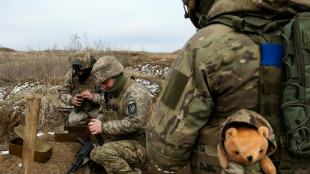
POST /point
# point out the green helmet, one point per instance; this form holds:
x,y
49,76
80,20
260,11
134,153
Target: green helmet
x,y
249,118
105,68
81,60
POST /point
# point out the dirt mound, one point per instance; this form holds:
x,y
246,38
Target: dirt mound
x,y
4,49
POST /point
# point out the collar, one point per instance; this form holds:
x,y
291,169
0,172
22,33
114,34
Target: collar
x,y
119,83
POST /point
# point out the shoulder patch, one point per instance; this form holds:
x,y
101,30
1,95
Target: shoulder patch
x,y
171,95
132,107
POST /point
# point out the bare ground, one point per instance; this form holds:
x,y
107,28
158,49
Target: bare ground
x,y
61,159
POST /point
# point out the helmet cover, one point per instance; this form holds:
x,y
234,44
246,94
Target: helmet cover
x,y
81,60
105,68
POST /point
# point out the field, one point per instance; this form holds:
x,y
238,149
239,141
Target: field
x,y
40,74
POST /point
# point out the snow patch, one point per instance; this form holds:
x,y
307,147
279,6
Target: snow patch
x,y
40,134
4,152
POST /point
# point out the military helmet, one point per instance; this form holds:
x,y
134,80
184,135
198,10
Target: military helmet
x,y
196,9
248,118
201,12
105,68
81,60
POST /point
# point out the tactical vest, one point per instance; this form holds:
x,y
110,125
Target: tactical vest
x,y
115,111
78,87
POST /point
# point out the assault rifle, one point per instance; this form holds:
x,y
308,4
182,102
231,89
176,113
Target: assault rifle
x,y
83,153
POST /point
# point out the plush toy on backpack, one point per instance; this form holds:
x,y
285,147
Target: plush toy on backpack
x,y
245,144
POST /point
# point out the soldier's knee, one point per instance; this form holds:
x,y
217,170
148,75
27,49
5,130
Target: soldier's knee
x,y
94,155
102,153
77,120
72,122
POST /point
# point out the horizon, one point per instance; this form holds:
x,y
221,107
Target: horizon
x,y
150,26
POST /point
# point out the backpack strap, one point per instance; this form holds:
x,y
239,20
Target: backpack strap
x,y
259,29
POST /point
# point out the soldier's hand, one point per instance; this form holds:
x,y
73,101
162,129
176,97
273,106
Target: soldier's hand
x,y
95,126
87,95
77,100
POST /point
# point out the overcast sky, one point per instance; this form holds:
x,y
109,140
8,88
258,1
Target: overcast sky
x,y
137,25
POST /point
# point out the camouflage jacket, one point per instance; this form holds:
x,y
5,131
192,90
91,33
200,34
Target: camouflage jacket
x,y
216,74
68,90
133,108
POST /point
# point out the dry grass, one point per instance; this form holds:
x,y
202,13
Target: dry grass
x,y
51,65
39,74
46,69
33,65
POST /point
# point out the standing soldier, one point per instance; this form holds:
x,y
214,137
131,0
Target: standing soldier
x,y
78,90
130,103
217,73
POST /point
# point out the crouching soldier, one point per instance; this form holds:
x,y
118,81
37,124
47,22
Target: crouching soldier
x,y
125,151
78,89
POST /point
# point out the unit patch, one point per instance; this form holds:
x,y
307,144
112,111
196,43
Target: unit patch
x,y
132,107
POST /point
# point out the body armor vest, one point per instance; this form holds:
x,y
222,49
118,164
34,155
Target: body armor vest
x,y
115,108
115,111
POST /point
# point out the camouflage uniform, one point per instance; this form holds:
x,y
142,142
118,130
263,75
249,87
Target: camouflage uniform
x,y
71,86
216,61
216,74
126,150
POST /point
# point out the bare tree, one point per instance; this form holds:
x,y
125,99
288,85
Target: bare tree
x,y
74,43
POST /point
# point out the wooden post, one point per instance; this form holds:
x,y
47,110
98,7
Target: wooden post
x,y
30,132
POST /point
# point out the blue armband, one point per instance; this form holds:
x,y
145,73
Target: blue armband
x,y
272,54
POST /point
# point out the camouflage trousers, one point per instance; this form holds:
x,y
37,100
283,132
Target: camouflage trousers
x,y
82,117
125,156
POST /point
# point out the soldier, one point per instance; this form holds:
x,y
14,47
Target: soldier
x,y
78,90
217,73
130,102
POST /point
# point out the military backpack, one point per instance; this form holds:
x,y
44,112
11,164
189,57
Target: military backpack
x,y
296,94
285,73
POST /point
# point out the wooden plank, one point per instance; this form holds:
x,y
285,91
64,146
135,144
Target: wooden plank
x,y
30,132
